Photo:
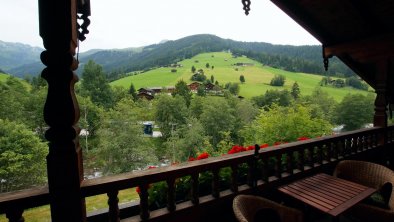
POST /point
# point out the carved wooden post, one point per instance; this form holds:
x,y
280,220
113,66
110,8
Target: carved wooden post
x,y
195,197
301,159
15,215
380,117
278,166
290,162
144,202
234,178
58,29
265,170
171,206
215,183
113,205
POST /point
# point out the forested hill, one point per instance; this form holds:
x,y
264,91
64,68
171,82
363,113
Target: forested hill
x,y
306,59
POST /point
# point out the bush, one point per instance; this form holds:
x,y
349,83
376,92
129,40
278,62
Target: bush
x,y
339,83
356,83
233,88
198,77
173,70
278,80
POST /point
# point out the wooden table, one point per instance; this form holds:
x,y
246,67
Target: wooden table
x,y
326,193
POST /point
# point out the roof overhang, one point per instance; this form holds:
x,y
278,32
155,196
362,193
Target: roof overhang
x,y
359,32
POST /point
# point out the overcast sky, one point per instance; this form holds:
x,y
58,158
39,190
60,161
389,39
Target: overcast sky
x,y
133,23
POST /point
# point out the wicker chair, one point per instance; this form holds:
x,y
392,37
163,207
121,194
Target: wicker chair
x,y
371,175
246,206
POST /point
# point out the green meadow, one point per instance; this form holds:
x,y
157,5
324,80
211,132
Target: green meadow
x,y
3,77
257,76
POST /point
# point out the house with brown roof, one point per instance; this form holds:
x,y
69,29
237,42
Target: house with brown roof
x,y
194,86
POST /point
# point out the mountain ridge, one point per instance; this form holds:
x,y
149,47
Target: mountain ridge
x,y
117,62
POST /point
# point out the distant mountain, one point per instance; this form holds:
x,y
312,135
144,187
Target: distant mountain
x,y
116,62
30,69
14,55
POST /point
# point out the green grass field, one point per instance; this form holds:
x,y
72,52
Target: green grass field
x,y
3,77
257,76
42,214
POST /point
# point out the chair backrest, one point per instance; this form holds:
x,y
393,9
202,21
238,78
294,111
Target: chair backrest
x,y
366,173
246,206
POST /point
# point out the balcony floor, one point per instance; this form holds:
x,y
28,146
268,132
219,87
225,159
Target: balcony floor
x,y
316,216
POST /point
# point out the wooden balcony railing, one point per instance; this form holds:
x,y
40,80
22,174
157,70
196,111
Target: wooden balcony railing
x,y
267,168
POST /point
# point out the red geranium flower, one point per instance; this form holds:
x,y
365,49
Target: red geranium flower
x,y
236,149
303,138
264,145
203,156
251,147
191,158
138,189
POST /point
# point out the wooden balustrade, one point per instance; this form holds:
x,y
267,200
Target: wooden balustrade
x,y
272,165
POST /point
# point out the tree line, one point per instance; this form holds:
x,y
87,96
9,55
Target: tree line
x,y
297,63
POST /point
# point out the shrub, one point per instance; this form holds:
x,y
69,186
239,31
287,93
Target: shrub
x,y
356,83
278,80
198,77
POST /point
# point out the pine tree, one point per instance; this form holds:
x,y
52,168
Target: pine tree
x,y
295,90
133,92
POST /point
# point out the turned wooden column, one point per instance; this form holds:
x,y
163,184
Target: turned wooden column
x,y
380,117
58,29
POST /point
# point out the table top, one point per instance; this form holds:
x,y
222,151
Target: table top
x,y
329,194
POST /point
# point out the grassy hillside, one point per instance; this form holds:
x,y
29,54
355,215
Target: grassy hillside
x,y
3,77
257,76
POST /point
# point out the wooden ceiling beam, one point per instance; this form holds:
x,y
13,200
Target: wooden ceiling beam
x,y
365,50
364,71
370,19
